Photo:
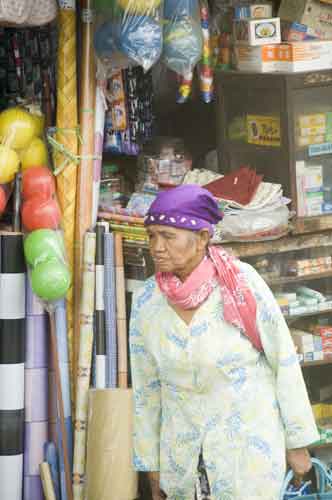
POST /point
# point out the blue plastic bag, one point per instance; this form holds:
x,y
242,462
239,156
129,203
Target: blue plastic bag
x,y
324,482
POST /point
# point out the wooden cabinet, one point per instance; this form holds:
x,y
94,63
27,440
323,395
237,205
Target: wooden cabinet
x,y
281,125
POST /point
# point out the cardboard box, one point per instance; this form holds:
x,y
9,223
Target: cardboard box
x,y
296,32
256,11
304,56
311,13
260,59
257,31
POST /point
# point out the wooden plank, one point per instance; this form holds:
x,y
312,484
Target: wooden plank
x,y
286,244
316,363
303,225
296,279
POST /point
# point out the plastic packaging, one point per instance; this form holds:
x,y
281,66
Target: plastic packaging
x,y
21,145
163,163
129,32
256,226
183,39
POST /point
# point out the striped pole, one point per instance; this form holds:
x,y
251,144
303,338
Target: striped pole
x,y
12,326
100,309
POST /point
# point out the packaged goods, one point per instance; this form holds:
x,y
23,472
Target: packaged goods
x,y
305,56
262,58
296,32
257,31
312,13
255,11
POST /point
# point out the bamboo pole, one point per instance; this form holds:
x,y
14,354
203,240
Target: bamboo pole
x,y
86,152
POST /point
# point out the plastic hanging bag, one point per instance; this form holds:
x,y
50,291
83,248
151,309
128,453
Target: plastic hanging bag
x,y
183,40
129,32
44,247
324,484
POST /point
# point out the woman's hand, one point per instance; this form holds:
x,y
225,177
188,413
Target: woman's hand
x,y
157,493
300,462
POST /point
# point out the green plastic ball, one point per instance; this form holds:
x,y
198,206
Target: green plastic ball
x,y
50,280
42,245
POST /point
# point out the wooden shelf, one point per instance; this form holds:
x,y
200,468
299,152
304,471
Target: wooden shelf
x,y
295,279
289,317
303,225
285,244
316,363
320,446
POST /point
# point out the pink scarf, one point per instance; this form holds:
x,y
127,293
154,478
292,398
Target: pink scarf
x,y
238,300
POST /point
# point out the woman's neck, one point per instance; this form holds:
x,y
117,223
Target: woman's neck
x,y
184,273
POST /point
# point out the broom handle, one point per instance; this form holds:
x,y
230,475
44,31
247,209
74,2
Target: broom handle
x,y
55,356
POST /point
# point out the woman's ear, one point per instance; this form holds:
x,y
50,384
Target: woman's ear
x,y
204,239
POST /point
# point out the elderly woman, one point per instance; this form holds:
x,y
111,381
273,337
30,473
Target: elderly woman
x,y
220,402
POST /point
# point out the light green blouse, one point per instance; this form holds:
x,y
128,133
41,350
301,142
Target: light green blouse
x,y
204,386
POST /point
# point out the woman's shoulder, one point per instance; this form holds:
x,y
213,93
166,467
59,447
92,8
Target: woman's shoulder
x,y
147,292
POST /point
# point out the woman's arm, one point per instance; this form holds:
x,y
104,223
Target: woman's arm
x,y
147,401
295,407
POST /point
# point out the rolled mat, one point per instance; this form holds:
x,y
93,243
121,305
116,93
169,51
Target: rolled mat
x,y
12,329
35,394
121,317
100,112
66,122
110,313
48,487
110,473
100,358
84,364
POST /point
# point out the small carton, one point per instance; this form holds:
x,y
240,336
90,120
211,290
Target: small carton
x,y
264,130
256,11
305,56
311,13
257,31
296,32
261,58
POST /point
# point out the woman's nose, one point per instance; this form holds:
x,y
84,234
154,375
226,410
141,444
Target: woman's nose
x,y
158,245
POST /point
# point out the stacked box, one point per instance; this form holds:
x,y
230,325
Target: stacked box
x,y
257,31
310,346
312,13
255,11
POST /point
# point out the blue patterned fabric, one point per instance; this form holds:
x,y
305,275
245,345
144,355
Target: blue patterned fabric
x,y
203,386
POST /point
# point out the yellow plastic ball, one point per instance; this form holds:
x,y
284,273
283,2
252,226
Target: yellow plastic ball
x,y
35,155
39,124
9,164
141,7
17,128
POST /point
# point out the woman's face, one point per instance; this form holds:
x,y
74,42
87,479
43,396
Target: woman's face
x,y
175,250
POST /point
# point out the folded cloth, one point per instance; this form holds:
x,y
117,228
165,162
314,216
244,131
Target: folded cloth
x,y
240,185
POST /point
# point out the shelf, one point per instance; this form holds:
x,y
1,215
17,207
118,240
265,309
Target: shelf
x,y
246,147
294,317
320,446
285,244
296,279
302,225
316,363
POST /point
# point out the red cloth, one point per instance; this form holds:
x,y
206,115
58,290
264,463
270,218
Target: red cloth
x,y
240,185
239,303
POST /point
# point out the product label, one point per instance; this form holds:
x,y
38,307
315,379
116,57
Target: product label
x,y
320,149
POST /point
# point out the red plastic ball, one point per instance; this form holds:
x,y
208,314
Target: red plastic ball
x,y
38,181
3,199
40,213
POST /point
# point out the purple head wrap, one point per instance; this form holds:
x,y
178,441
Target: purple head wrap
x,y
185,207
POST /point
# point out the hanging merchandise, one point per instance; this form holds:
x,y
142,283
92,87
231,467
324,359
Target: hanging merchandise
x,y
183,42
136,97
131,33
50,276
28,12
206,72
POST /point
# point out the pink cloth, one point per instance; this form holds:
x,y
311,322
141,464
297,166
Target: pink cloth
x,y
238,300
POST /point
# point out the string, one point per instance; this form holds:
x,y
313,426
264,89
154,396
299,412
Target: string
x,y
60,148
